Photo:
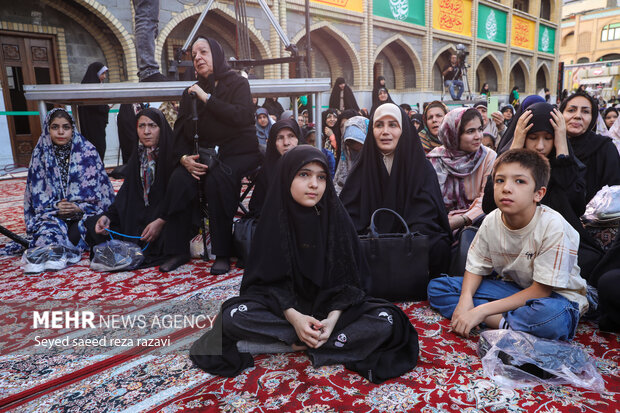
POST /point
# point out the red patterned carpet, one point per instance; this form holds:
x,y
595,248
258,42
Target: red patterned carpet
x,y
448,377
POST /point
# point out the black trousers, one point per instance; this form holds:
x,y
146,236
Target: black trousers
x,y
609,300
221,186
250,320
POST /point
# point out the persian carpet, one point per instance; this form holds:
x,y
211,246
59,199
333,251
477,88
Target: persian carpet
x,y
448,378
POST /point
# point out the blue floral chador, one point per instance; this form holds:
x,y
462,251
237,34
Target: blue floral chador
x,y
79,178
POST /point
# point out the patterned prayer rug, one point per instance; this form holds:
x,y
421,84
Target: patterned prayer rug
x,y
448,378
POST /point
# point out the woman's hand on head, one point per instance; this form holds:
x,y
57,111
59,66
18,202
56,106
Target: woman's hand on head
x,y
103,223
521,130
559,126
200,93
307,328
195,168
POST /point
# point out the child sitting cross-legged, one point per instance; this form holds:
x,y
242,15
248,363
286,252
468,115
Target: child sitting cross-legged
x,y
532,249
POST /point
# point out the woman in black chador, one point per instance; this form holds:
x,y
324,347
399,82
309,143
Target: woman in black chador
x,y
342,96
137,208
301,289
283,136
393,173
597,152
94,118
226,122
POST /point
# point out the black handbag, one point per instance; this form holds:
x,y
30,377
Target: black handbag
x,y
398,262
243,232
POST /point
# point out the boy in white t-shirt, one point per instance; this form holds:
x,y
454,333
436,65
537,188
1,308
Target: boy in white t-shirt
x,y
533,250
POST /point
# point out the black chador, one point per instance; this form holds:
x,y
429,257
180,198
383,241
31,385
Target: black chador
x,y
272,156
597,152
226,121
139,201
348,98
308,259
411,189
94,118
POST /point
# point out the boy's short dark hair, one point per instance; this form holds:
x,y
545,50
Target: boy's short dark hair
x,y
536,163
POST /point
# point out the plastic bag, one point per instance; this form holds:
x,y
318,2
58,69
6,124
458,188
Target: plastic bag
x,y
604,208
196,247
516,359
49,258
116,255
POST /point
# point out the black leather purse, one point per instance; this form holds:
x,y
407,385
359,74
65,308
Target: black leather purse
x,y
398,262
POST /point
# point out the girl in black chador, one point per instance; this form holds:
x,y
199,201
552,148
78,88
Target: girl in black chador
x,y
301,289
226,122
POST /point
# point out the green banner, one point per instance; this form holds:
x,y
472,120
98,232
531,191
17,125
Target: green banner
x,y
546,39
408,11
491,24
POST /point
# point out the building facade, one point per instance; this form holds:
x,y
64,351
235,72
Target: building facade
x,y
590,47
510,42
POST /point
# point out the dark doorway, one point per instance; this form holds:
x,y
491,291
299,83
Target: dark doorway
x,y
25,61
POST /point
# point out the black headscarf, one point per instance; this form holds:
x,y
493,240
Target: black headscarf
x,y
271,153
308,258
376,102
221,69
597,152
91,73
418,117
375,91
349,97
129,206
506,140
411,189
607,111
270,162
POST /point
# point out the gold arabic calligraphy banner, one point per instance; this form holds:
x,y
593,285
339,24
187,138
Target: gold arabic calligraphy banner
x,y
452,16
522,33
353,5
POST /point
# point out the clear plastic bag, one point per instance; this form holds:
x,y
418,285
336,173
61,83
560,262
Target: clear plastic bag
x,y
516,359
49,258
604,207
116,255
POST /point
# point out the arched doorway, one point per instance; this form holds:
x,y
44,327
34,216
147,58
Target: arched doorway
x,y
397,64
487,72
441,63
518,77
331,55
541,79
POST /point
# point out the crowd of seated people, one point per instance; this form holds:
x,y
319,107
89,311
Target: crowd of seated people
x,y
301,288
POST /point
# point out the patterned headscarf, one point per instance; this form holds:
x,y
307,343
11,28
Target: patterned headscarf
x,y
452,164
86,184
428,140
